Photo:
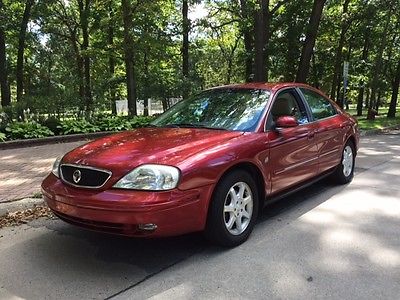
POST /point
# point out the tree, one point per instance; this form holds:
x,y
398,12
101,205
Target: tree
x,y
21,48
111,59
338,54
378,63
129,54
4,86
84,14
395,92
309,43
185,47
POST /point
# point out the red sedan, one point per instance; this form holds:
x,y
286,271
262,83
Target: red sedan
x,y
208,164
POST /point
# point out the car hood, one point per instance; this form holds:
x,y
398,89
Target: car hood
x,y
122,152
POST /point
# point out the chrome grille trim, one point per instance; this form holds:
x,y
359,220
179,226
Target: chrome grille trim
x,y
84,167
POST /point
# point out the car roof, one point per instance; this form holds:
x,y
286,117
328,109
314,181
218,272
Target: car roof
x,y
271,86
266,85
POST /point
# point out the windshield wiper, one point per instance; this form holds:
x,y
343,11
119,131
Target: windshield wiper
x,y
191,125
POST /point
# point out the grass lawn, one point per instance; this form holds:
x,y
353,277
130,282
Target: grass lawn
x,y
380,120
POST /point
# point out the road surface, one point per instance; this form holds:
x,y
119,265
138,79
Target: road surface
x,y
325,242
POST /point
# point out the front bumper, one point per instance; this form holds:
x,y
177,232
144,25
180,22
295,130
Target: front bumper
x,y
125,212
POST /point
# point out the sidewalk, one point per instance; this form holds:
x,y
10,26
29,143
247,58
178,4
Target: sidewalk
x,y
23,169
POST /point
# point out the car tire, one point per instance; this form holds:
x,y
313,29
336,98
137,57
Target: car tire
x,y
233,209
344,172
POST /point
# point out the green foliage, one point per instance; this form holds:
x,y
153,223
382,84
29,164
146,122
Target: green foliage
x,y
54,69
118,123
103,123
140,121
112,123
2,137
27,130
53,124
77,126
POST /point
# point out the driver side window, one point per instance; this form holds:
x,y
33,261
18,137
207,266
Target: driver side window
x,y
287,103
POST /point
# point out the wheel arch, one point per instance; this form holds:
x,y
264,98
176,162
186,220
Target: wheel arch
x,y
255,173
353,140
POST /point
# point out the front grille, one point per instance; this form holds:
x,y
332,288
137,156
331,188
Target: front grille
x,y
84,176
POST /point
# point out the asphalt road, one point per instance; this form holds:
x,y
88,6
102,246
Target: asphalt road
x,y
325,242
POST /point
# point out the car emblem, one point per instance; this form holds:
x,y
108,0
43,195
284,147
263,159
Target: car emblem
x,y
76,176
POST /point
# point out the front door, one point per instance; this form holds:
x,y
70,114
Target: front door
x,y
293,151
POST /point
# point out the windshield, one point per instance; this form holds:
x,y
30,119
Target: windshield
x,y
230,109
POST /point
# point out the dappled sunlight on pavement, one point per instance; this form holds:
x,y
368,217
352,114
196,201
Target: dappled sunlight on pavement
x,y
326,242
23,169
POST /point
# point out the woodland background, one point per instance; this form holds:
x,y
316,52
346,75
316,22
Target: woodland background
x,y
76,58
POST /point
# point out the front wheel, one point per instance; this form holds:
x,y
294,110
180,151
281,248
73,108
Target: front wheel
x,y
344,172
233,209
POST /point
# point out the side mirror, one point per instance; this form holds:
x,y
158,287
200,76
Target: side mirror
x,y
286,122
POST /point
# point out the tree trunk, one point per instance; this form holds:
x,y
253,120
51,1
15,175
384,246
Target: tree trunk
x,y
185,48
84,12
304,66
129,56
230,61
4,87
146,84
378,64
165,103
338,55
367,97
395,93
21,48
261,24
291,41
248,41
111,60
79,69
364,57
360,98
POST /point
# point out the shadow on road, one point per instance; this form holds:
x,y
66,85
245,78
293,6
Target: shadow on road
x,y
52,259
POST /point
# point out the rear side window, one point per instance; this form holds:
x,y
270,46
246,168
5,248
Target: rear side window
x,y
320,107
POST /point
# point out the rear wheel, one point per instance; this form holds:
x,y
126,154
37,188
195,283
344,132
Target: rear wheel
x,y
344,172
233,209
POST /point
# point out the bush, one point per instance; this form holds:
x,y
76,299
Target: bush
x,y
53,124
112,123
118,123
140,121
77,126
27,130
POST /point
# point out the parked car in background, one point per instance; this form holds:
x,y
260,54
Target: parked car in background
x,y
208,164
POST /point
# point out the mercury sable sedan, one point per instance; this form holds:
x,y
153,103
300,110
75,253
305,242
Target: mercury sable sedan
x,y
208,164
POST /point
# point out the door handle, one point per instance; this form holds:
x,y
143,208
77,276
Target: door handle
x,y
311,135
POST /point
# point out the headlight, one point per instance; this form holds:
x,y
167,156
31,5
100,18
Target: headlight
x,y
56,167
150,177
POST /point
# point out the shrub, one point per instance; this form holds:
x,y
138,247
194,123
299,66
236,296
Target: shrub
x,y
2,137
27,130
140,121
77,126
118,123
112,123
53,124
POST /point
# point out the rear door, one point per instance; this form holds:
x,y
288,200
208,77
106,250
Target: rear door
x,y
293,151
329,132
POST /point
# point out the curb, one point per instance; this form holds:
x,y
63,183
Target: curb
x,y
53,140
22,204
